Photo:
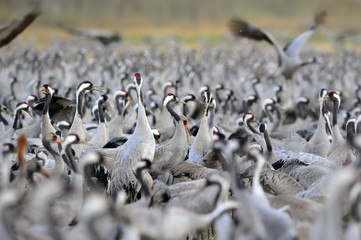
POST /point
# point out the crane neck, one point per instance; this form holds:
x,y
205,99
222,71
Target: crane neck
x,y
48,147
119,108
58,169
257,188
79,103
142,121
139,95
336,105
101,112
206,109
224,106
16,119
249,125
321,108
3,120
172,112
268,141
268,114
184,110
255,90
12,88
142,182
211,118
124,109
350,131
70,158
218,98
47,104
301,112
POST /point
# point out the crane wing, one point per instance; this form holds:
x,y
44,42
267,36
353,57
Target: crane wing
x,y
84,32
241,28
293,48
12,29
103,36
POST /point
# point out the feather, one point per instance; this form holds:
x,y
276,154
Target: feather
x,y
320,18
242,28
60,109
10,30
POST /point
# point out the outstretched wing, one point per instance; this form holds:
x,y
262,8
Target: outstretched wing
x,y
293,48
60,109
82,32
242,28
104,37
320,18
10,30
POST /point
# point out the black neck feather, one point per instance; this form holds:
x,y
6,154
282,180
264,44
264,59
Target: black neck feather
x,y
70,158
15,123
350,131
101,112
267,140
252,128
3,120
48,147
172,112
80,103
335,109
47,103
184,110
119,108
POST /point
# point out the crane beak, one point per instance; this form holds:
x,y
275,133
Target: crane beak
x,y
130,100
107,113
280,106
187,128
29,112
42,172
109,106
97,88
255,120
149,112
159,141
58,140
8,111
86,143
180,101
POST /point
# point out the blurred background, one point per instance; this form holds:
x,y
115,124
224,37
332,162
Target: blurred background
x,y
190,21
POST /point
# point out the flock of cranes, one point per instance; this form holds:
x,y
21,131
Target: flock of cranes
x,y
176,144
